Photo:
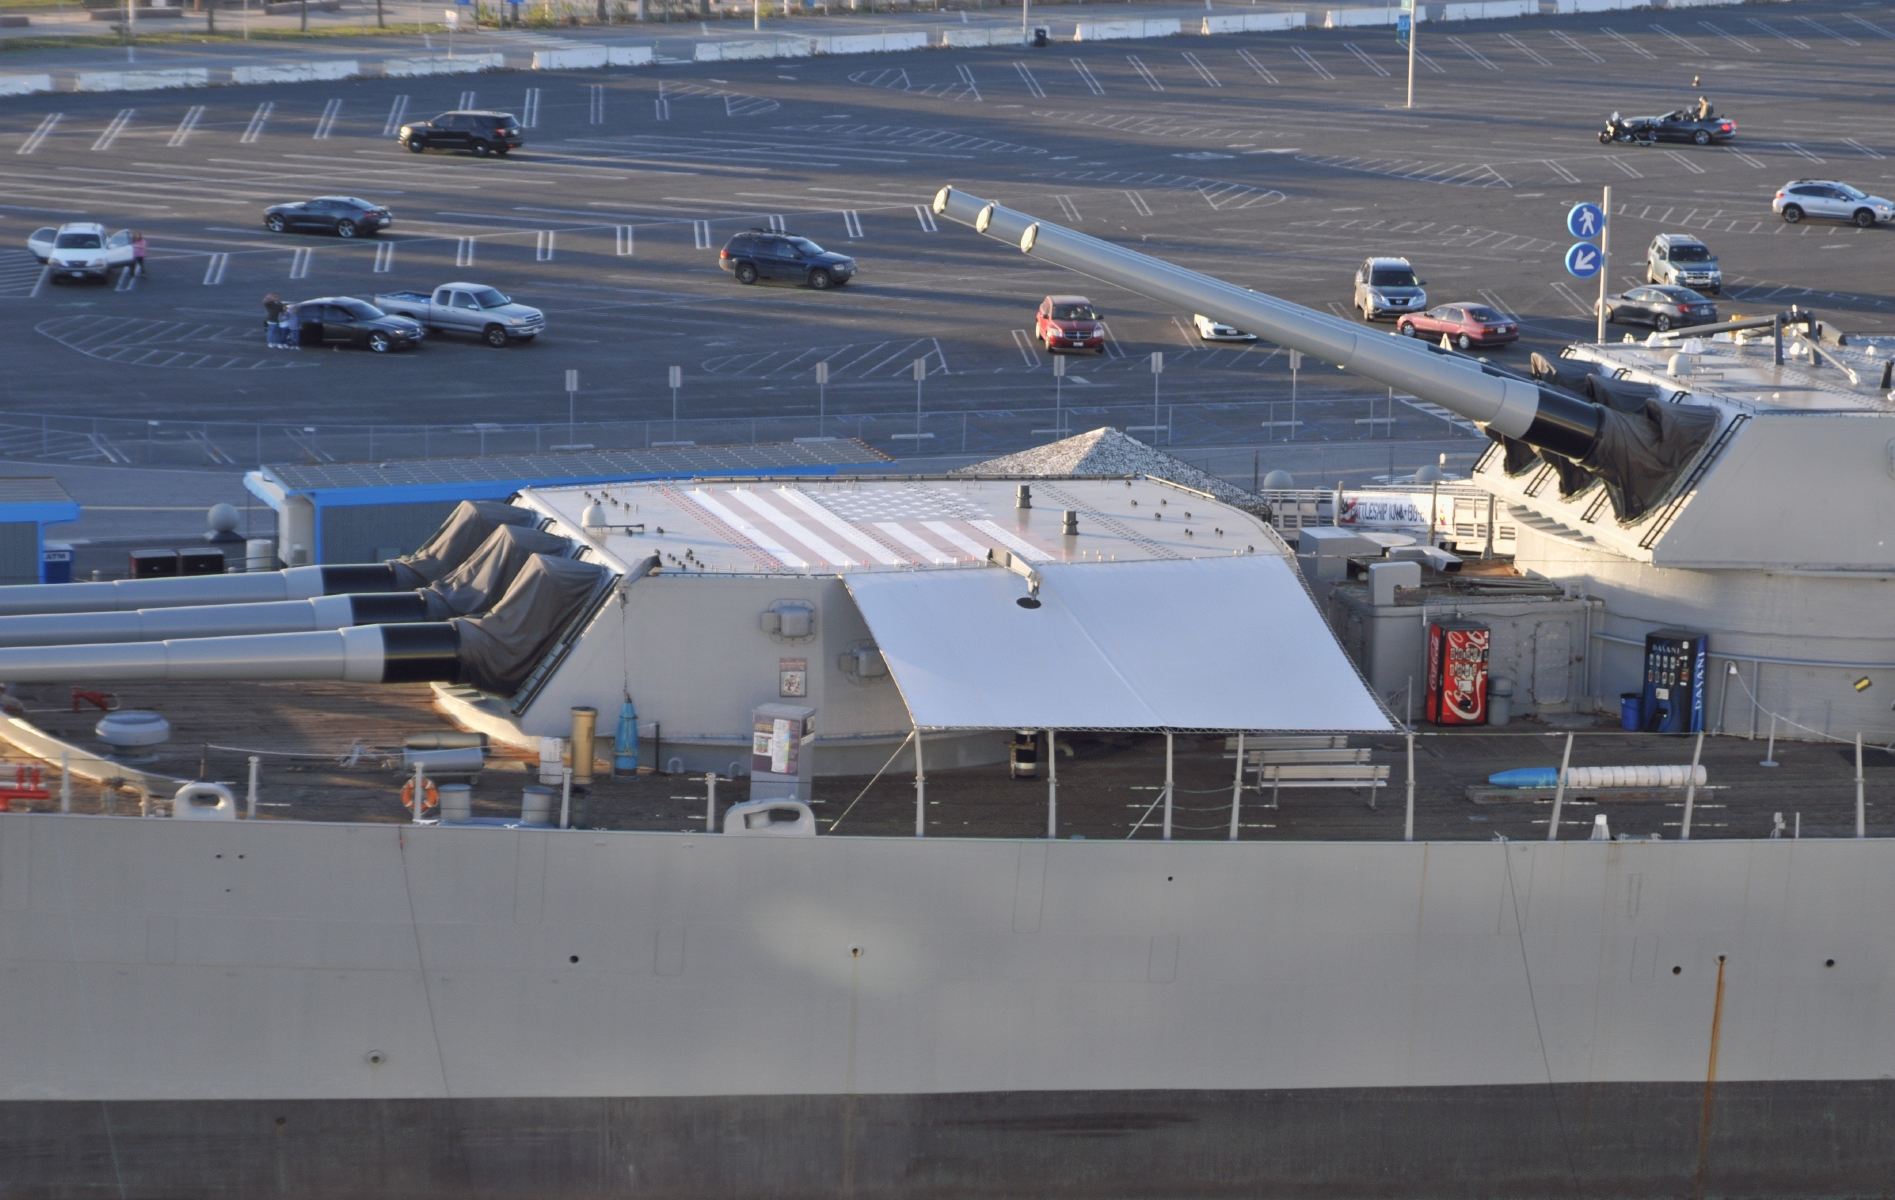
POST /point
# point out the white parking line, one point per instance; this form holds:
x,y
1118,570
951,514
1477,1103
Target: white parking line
x,y
1138,204
701,234
1821,28
112,130
327,122
1687,47
1144,74
530,109
852,223
186,124
1474,54
595,103
214,269
39,135
384,257
464,252
1627,43
467,100
1251,61
776,223
1774,32
397,113
1071,210
1311,62
1869,25
258,119
967,80
1562,172
1368,62
1565,293
1861,147
543,248
1023,341
1203,71
1755,162
1525,49
1797,150
1732,38
1572,44
127,280
624,237
1630,172
927,219
299,263
1032,84
1085,74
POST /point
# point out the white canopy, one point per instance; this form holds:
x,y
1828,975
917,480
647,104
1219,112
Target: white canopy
x,y
1211,643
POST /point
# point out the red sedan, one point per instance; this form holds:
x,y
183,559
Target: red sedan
x,y
1466,325
1069,323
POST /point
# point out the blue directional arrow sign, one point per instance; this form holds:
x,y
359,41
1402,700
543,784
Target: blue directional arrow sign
x,y
1585,221
1583,260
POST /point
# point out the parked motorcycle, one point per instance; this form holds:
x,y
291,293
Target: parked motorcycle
x,y
1619,130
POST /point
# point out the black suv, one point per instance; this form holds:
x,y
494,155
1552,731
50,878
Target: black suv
x,y
482,132
767,255
344,216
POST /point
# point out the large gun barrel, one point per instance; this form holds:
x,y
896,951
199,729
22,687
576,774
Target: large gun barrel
x,y
130,595
362,654
213,620
1543,418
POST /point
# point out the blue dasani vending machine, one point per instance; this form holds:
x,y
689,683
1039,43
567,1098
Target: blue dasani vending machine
x,y
1674,681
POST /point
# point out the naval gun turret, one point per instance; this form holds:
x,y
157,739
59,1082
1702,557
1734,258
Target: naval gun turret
x,y
1732,480
464,531
469,589
1638,452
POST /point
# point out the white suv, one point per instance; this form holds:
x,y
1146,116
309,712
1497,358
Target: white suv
x,y
82,249
1827,198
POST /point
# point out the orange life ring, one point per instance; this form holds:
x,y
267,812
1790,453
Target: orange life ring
x,y
432,796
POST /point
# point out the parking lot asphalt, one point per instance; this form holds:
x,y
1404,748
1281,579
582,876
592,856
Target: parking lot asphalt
x,y
1278,161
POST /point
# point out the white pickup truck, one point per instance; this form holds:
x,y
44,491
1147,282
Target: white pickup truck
x,y
487,313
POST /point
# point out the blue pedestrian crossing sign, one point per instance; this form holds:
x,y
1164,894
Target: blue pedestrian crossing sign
x,y
1585,221
1583,260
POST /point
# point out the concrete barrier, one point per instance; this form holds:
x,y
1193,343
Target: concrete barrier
x,y
790,47
1110,31
141,81
300,72
570,58
1697,3
441,64
1255,23
1596,6
1492,10
25,85
979,36
871,43
628,56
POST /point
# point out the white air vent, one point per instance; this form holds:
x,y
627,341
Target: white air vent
x,y
789,620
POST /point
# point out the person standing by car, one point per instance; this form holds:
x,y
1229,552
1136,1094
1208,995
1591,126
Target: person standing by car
x,y
138,253
291,323
273,320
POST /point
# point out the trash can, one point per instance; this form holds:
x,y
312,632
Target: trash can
x,y
1499,700
1039,37
1631,711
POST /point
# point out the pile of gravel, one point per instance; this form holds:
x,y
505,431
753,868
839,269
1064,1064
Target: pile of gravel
x,y
1106,451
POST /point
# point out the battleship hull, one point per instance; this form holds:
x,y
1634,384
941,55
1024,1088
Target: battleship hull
x,y
203,1009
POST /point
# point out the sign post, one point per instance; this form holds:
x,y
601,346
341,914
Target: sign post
x,y
572,402
1585,260
1405,34
822,398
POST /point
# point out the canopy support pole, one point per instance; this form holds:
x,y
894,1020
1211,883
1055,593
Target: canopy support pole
x,y
1408,823
1168,786
1559,796
921,789
1237,786
1052,785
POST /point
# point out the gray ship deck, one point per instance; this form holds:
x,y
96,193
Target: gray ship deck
x,y
308,730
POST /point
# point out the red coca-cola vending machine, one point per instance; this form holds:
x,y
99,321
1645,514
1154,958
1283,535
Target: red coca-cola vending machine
x,y
1457,673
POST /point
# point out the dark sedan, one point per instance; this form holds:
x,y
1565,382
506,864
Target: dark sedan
x,y
1662,306
483,132
1685,125
1464,325
344,216
346,321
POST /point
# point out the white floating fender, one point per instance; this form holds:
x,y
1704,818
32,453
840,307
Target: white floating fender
x,y
204,802
772,818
